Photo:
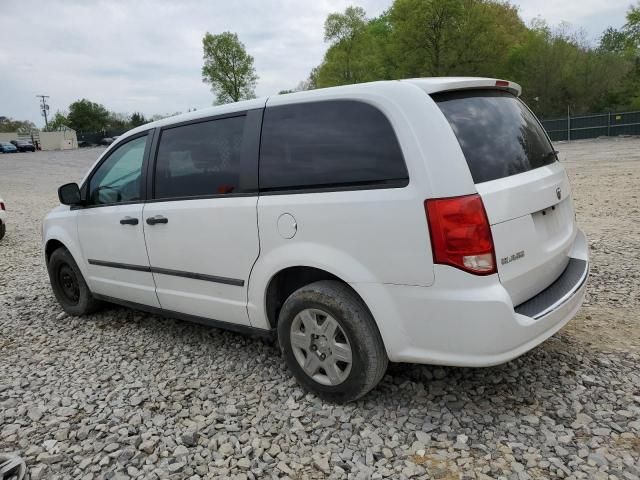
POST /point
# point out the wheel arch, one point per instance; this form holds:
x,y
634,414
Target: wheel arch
x,y
289,279
56,236
52,245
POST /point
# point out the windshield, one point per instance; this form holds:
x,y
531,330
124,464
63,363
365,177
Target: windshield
x,y
498,134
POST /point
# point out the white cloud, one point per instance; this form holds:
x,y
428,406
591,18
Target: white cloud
x,y
147,55
591,15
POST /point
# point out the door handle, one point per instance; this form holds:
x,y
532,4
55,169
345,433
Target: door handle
x,y
157,219
129,221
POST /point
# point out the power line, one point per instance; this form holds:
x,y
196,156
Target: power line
x,y
44,109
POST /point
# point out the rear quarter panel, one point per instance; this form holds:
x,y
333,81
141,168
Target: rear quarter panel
x,y
366,236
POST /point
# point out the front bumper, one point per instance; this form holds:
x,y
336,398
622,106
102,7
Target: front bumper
x,y
466,320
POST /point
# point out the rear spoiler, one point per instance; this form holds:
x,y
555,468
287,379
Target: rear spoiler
x,y
443,84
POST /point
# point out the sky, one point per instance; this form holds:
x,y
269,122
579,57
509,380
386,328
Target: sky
x,y
147,55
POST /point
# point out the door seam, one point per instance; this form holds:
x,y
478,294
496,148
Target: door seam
x,y
146,249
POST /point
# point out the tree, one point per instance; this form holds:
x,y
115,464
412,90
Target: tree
x,y
632,27
87,116
453,37
228,68
343,31
137,119
58,121
613,41
420,38
118,122
10,125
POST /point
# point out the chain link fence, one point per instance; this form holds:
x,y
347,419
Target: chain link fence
x,y
593,125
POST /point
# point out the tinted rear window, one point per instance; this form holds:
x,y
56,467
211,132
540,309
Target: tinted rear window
x,y
498,134
328,144
199,159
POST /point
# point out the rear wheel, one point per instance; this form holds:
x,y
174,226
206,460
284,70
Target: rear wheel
x,y
68,284
330,341
3,230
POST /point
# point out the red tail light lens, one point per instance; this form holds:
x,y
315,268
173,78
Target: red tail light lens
x,y
502,83
2,206
460,234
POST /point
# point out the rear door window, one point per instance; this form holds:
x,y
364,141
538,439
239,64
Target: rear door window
x,y
200,159
329,144
498,134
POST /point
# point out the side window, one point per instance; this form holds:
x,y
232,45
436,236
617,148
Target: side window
x,y
328,144
199,159
118,178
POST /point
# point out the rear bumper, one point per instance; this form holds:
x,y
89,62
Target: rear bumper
x,y
465,320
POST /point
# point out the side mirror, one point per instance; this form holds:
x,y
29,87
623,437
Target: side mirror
x,y
69,194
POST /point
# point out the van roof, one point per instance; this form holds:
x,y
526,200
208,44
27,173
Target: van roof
x,y
428,85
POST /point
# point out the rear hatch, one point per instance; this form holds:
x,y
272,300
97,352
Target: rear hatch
x,y
524,188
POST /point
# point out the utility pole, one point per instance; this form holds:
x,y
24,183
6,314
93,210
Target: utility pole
x,y
44,108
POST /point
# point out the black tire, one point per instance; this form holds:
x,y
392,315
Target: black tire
x,y
3,230
369,358
69,286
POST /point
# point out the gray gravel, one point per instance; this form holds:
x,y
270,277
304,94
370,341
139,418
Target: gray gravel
x,y
124,394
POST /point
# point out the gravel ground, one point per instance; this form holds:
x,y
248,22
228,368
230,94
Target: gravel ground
x,y
124,394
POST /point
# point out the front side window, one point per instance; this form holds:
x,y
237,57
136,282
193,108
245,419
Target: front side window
x,y
200,159
118,178
329,144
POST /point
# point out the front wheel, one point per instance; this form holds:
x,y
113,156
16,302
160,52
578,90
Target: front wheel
x,y
68,284
330,341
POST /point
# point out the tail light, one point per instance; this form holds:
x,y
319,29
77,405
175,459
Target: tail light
x,y
2,206
460,234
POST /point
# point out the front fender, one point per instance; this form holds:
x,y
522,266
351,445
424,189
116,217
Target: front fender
x,y
60,225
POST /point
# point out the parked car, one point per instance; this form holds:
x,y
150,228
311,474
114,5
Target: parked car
x,y
106,141
3,218
424,221
85,144
23,146
7,147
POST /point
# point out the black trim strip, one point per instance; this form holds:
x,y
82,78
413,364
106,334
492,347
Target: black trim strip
x,y
203,197
234,327
198,276
166,271
346,187
558,293
125,266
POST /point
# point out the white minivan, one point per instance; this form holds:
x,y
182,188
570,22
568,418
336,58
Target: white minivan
x,y
424,220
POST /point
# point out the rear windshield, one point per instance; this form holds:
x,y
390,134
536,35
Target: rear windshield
x,y
498,134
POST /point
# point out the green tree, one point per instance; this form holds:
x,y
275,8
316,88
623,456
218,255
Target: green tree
x,y
342,30
228,68
358,51
10,125
87,116
613,41
453,37
557,67
137,119
342,61
118,121
58,121
630,92
632,27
